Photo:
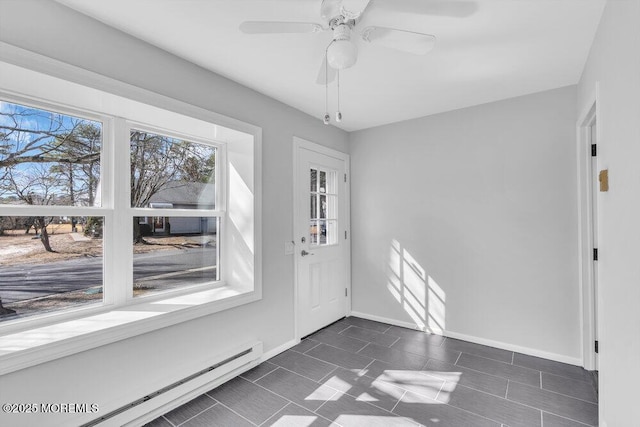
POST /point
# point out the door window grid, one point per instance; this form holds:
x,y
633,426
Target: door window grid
x,y
323,214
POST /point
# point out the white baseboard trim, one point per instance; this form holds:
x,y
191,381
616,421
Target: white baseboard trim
x,y
477,340
386,320
519,349
276,351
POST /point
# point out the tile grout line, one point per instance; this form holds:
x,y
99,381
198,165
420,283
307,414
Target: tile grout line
x,y
258,379
370,363
551,391
298,351
439,390
503,363
288,401
555,374
569,419
513,356
328,363
483,416
459,356
399,400
215,402
569,396
397,339
506,392
547,411
317,382
543,389
363,348
304,376
326,376
244,418
370,404
319,342
167,419
561,376
312,412
323,403
339,348
540,379
514,381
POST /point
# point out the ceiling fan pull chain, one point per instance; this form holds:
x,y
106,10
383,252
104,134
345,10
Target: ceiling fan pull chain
x,y
338,113
327,117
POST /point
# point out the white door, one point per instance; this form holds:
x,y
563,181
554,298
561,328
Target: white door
x,y
322,244
594,229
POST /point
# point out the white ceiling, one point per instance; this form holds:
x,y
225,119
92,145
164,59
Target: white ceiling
x,y
487,50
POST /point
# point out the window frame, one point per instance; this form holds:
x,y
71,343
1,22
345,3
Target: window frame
x,y
124,175
104,210
85,94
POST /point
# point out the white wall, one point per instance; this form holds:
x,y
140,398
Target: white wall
x,y
614,62
483,200
107,375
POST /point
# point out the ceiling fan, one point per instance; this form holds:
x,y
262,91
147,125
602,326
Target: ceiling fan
x,y
342,18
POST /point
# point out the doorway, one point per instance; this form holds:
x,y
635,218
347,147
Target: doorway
x,y
321,236
589,146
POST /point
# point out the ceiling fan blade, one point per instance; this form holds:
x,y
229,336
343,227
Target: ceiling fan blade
x,y
326,74
404,41
274,27
352,9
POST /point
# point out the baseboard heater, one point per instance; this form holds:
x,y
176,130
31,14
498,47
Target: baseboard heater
x,y
173,395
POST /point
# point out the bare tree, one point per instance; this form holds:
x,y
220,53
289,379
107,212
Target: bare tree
x,y
34,188
21,141
47,159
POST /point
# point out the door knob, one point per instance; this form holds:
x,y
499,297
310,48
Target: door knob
x,y
305,253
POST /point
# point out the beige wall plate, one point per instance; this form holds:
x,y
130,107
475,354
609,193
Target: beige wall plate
x,y
603,177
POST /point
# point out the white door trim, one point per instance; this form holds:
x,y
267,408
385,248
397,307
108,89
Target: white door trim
x,y
299,143
585,225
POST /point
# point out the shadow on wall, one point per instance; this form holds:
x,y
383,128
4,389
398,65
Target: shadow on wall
x,y
417,292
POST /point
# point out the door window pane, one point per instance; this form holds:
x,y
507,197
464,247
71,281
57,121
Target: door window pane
x,y
49,263
171,173
323,207
331,233
48,158
314,180
182,252
322,232
313,232
331,207
313,214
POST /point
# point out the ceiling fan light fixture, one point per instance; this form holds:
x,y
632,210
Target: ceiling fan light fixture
x,y
342,54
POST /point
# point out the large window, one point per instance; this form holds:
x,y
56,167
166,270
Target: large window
x,y
68,231
50,211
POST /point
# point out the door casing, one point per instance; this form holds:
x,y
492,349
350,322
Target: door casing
x,y
586,220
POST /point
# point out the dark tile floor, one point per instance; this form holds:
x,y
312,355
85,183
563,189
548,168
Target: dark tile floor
x,y
362,373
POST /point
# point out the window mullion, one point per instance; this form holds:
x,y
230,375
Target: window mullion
x,y
121,270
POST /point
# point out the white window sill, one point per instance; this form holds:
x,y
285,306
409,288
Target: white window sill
x,y
43,344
